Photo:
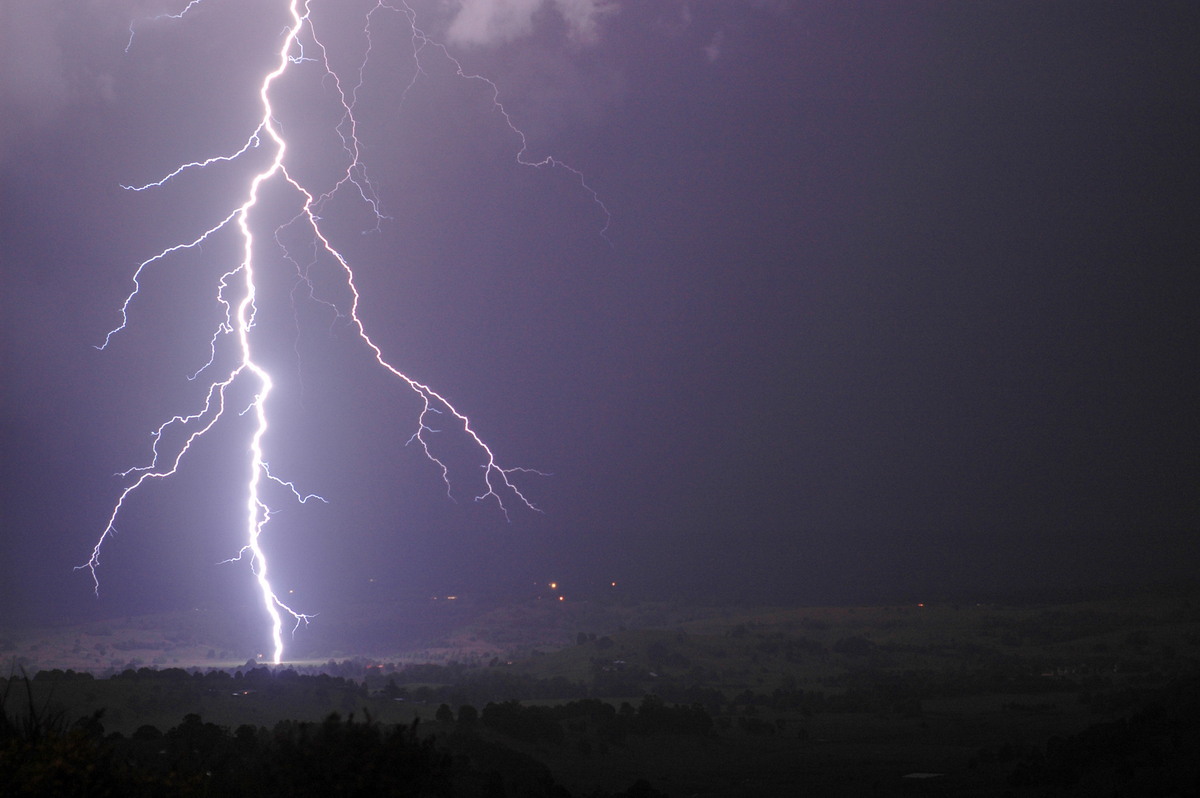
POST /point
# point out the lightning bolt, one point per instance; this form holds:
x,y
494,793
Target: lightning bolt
x,y
237,293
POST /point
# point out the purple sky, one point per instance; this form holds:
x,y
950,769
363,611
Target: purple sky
x,y
896,299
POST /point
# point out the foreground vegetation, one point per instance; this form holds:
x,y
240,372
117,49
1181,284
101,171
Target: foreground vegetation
x,y
41,755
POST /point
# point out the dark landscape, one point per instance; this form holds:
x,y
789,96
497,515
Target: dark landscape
x,y
619,697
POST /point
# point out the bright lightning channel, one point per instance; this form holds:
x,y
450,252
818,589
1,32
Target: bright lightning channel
x,y
237,290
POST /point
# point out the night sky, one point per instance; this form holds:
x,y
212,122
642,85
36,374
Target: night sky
x,y
897,300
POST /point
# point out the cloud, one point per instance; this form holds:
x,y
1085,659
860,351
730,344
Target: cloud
x,y
725,18
54,53
713,50
33,81
498,21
